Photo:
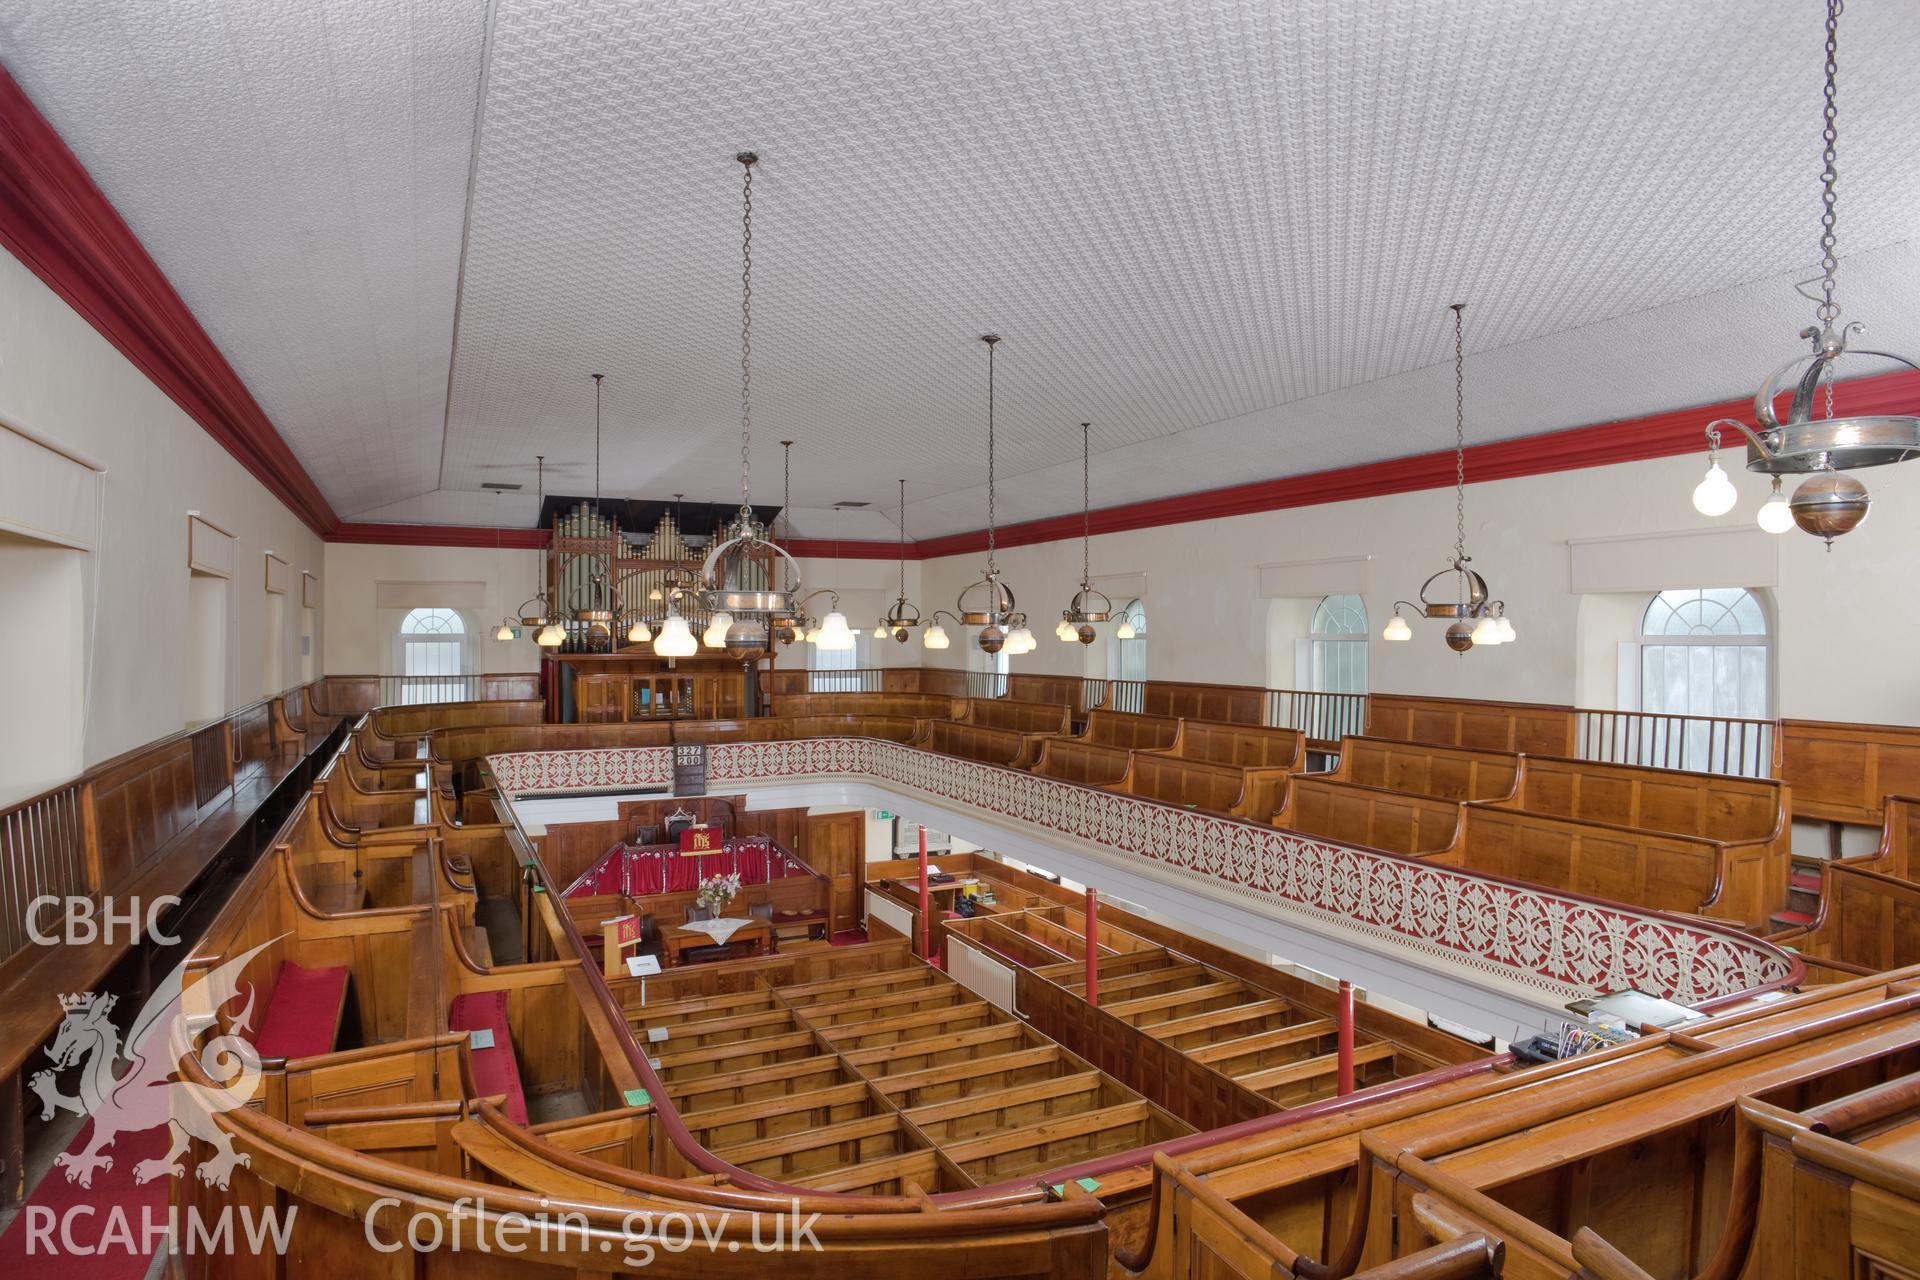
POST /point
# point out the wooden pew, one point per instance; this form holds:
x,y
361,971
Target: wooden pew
x,y
1489,726
1088,763
1748,816
1898,854
1194,1232
1428,769
143,826
1352,813
1621,864
1844,772
1020,717
911,705
1240,793
1240,746
1868,922
1223,703
1240,770
975,742
1067,691
1114,732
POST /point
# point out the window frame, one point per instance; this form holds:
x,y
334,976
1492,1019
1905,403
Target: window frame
x,y
1321,643
1762,639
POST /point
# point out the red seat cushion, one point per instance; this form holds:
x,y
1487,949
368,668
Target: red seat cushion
x,y
495,1070
304,1015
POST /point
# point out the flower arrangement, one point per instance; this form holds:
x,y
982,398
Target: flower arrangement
x,y
715,892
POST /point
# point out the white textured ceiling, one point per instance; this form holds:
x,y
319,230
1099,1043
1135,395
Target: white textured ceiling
x,y
1224,231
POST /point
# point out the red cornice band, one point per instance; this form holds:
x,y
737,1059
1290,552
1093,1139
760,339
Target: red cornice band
x,y
438,535
56,221
1659,435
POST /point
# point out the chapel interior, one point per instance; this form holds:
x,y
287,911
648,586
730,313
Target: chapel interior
x,y
1159,639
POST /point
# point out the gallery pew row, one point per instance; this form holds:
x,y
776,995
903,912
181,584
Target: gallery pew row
x,y
1840,772
1697,843
158,832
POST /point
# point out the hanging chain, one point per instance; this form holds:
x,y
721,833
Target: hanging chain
x,y
1828,310
1459,437
1086,499
596,443
992,341
747,160
786,487
903,539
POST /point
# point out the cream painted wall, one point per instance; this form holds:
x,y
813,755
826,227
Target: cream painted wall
x,y
1841,612
1845,618
44,583
360,634
61,379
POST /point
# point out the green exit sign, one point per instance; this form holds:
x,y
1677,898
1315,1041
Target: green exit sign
x,y
881,815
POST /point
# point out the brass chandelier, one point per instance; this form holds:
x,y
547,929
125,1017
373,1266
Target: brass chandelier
x,y
1831,502
988,603
904,616
748,580
535,611
1089,605
1477,618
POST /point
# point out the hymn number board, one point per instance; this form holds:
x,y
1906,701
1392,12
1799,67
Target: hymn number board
x,y
689,768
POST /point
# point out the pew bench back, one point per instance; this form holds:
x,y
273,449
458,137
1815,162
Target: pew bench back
x,y
1445,773
1376,818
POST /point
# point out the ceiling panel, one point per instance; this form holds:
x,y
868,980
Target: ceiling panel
x,y
1225,231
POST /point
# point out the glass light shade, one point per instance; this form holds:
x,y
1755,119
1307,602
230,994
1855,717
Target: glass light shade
x,y
1020,640
810,636
551,636
1125,631
1397,629
715,636
639,633
1506,629
1065,631
1775,515
676,638
936,637
1715,495
655,594
504,632
834,632
1486,632
880,632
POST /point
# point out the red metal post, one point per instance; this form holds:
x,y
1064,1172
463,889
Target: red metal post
x,y
1093,948
1343,1080
926,900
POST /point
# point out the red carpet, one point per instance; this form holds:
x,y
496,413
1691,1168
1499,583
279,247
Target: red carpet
x,y
108,1235
849,937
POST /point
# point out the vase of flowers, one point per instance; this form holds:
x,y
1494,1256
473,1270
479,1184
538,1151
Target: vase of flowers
x,y
715,892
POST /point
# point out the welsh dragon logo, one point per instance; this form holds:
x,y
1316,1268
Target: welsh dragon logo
x,y
147,1094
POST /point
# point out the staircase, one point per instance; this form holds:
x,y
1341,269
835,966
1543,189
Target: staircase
x,y
1803,896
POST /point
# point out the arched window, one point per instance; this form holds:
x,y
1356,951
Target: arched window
x,y
1339,654
1127,658
433,656
1704,652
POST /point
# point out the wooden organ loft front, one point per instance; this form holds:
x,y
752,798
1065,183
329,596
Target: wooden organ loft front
x,y
592,564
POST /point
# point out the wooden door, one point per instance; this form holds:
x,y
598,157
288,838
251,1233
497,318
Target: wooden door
x,y
835,847
600,699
